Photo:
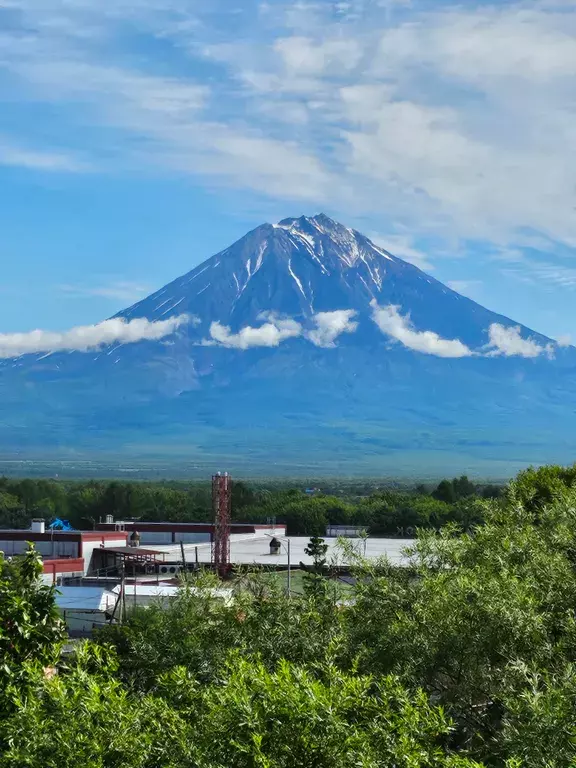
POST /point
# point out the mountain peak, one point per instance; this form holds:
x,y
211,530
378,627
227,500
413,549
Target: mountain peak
x,y
326,239
320,222
358,348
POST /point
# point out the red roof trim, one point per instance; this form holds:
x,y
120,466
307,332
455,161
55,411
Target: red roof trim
x,y
100,535
148,527
64,565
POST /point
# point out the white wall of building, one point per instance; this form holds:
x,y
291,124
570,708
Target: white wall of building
x,y
192,538
45,548
88,548
83,621
155,537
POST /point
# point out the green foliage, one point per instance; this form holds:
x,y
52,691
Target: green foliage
x,y
383,512
474,608
317,549
314,579
467,654
534,488
85,717
197,630
451,491
30,629
289,717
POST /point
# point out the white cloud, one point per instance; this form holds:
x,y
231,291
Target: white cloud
x,y
55,162
309,57
451,118
565,340
508,341
84,338
550,276
445,119
393,324
162,122
403,247
329,325
270,334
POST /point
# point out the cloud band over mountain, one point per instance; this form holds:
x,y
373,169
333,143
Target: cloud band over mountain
x,y
270,334
328,326
393,324
504,341
509,343
89,337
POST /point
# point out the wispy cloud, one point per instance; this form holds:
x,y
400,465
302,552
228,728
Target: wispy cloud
x,y
87,337
454,119
52,162
403,246
508,341
120,290
398,327
552,275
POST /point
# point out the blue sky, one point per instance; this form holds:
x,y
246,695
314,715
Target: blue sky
x,y
138,137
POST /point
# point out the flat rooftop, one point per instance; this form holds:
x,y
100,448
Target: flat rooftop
x,y
252,550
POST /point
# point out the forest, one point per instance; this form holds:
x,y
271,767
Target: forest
x,y
463,659
306,512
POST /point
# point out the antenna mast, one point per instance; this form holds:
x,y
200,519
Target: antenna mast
x,y
221,504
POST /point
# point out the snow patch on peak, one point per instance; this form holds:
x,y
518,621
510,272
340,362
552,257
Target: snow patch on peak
x,y
296,279
381,251
321,221
260,256
286,223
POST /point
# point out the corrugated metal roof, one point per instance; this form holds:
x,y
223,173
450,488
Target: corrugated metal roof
x,y
148,590
84,599
133,551
153,590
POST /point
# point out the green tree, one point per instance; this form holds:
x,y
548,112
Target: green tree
x,y
12,514
315,577
470,610
31,631
535,488
463,487
83,716
445,492
289,717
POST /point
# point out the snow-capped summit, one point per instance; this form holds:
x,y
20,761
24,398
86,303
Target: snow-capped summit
x,y
347,245
308,265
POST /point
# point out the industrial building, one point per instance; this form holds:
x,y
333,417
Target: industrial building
x,y
144,595
84,608
131,563
167,533
255,549
66,554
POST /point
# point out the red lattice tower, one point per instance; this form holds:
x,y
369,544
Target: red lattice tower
x,y
221,503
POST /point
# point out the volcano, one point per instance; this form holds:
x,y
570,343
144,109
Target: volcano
x,y
304,348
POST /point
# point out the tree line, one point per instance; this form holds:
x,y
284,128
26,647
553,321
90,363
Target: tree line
x,y
462,659
381,511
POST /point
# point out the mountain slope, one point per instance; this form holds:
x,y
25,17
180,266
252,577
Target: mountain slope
x,y
284,357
